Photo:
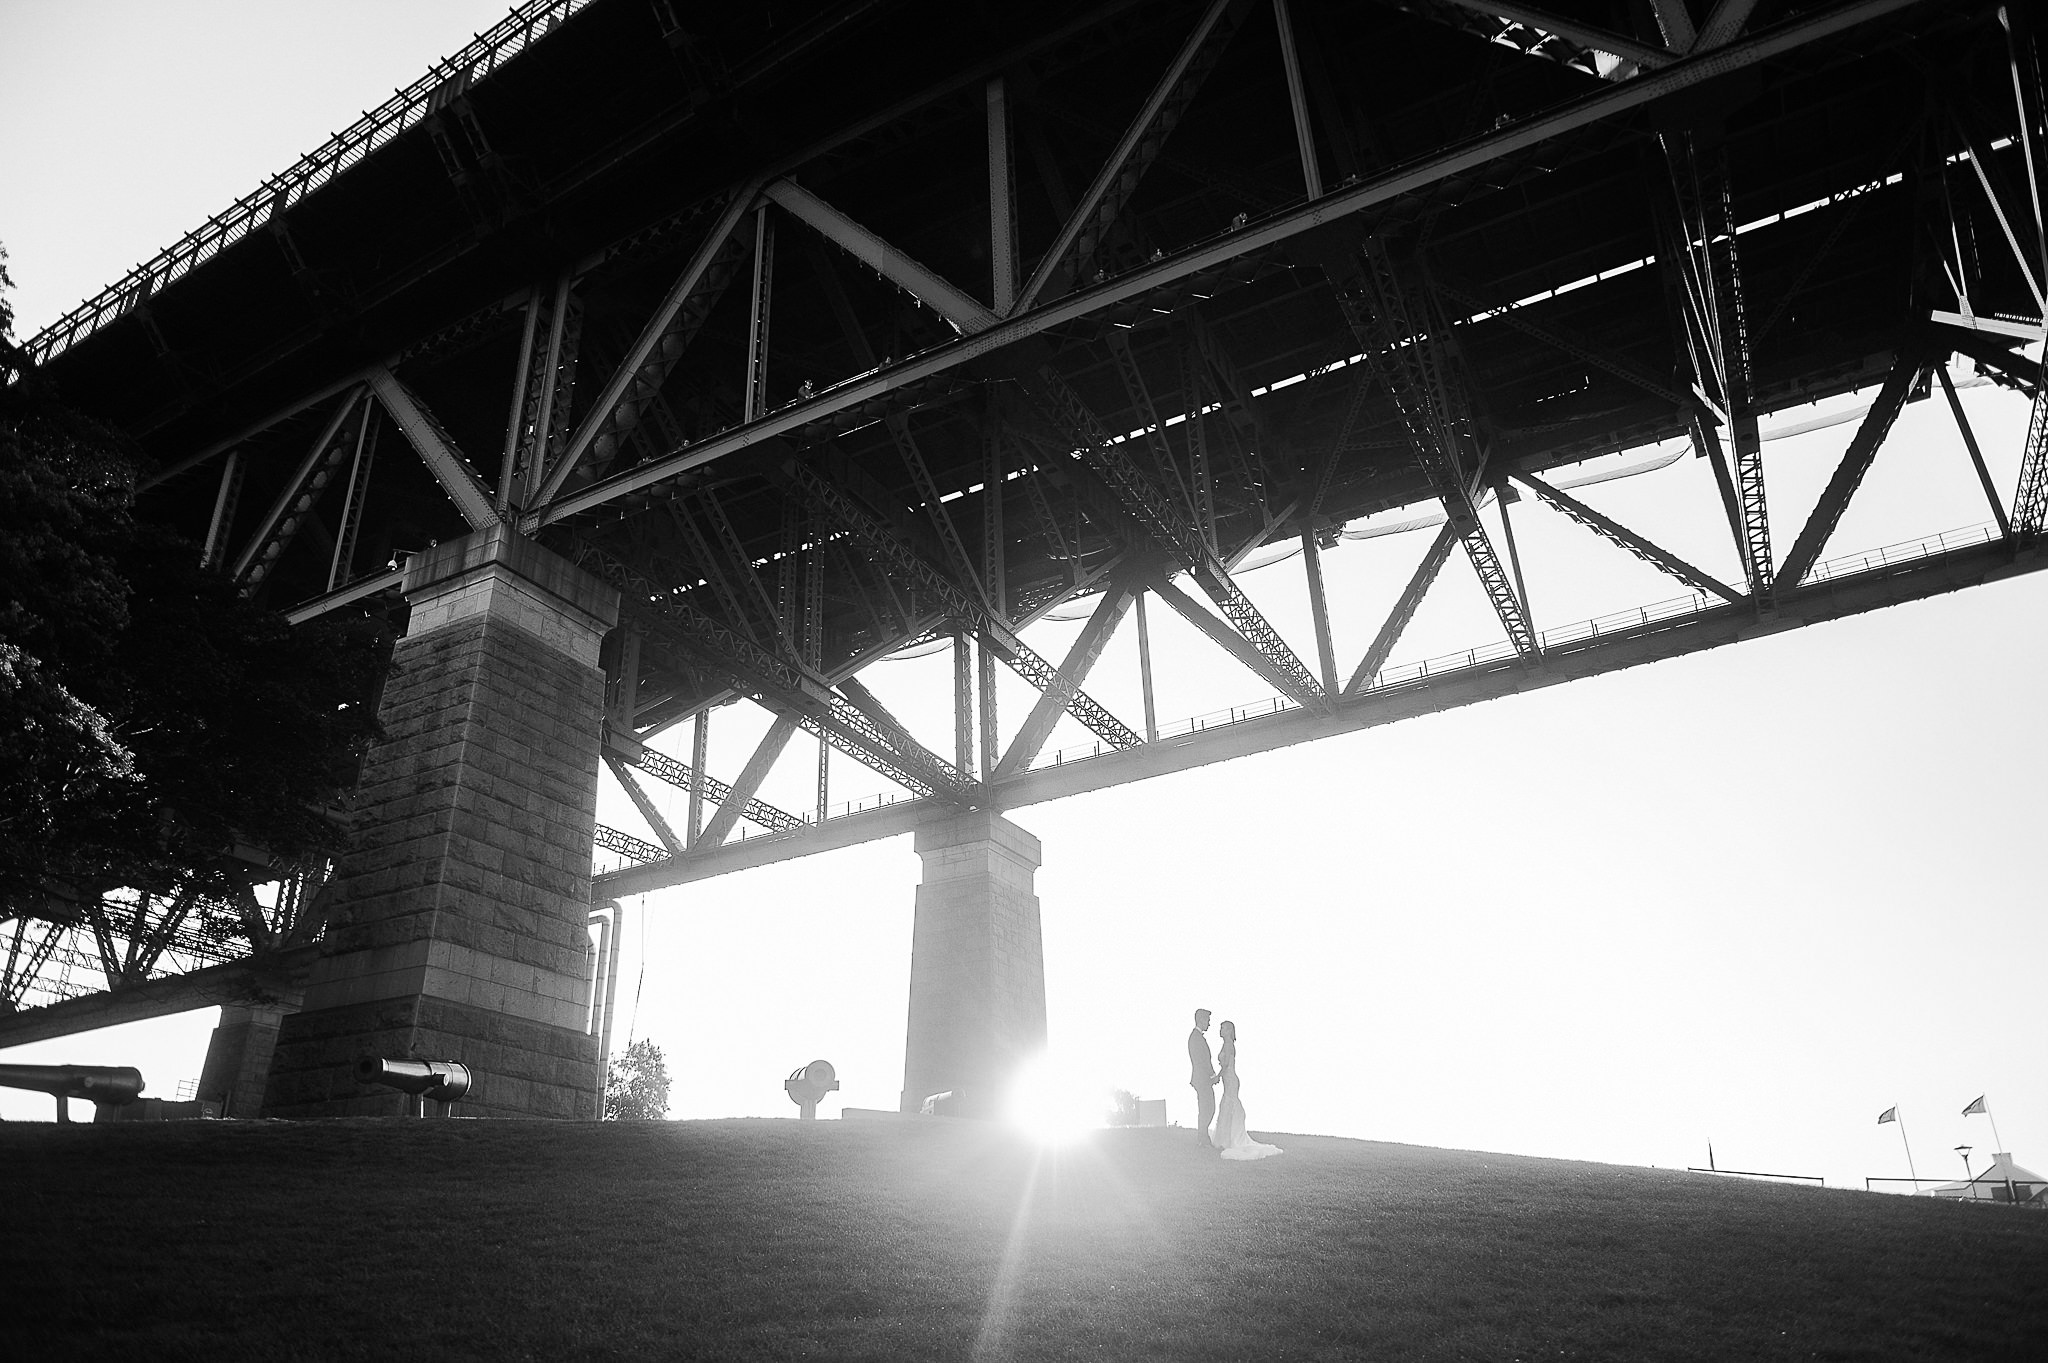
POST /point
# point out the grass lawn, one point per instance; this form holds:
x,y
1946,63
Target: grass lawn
x,y
950,1240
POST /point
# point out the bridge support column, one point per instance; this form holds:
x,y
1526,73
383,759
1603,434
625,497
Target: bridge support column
x,y
460,929
977,963
239,1055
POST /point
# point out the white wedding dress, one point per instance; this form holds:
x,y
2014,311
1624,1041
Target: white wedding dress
x,y
1230,1134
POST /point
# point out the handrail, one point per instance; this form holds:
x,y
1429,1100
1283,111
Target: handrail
x,y
1406,675
1501,653
526,24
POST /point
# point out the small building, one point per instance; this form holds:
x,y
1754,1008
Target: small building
x,y
2003,1181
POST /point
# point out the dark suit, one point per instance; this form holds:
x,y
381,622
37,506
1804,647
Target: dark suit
x,y
1202,1078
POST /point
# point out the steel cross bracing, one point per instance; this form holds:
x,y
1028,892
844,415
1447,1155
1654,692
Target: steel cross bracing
x,y
1099,218
1406,348
1018,655
1702,262
679,775
1190,549
2030,501
785,686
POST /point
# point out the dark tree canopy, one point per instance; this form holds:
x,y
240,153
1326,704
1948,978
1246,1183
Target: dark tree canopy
x,y
636,1085
153,720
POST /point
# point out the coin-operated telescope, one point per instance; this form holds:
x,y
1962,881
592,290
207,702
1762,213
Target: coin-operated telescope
x,y
106,1086
808,1084
442,1080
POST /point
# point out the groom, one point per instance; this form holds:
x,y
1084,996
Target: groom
x,y
1202,1074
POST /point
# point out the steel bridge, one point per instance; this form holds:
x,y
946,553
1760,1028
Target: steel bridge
x,y
861,326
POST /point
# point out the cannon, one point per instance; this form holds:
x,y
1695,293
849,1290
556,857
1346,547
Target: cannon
x,y
104,1085
442,1080
807,1084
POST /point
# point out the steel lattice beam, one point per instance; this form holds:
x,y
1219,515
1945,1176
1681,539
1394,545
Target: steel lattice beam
x,y
661,343
1016,654
436,450
1104,199
1188,547
281,523
1404,345
958,307
1614,531
680,775
1909,369
1404,610
739,797
782,685
2030,497
1436,170
1080,660
645,804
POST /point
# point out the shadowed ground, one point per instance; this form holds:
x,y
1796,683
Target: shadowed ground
x,y
373,1238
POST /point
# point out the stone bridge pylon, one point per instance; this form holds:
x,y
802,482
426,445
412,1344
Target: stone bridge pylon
x,y
459,927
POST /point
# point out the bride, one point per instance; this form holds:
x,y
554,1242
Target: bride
x,y
1230,1133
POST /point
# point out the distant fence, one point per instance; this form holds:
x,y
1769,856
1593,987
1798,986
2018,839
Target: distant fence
x,y
1979,1189
1752,1173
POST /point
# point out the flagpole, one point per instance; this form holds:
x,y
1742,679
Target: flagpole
x,y
1997,1141
1909,1152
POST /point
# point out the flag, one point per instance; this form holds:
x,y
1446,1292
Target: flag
x,y
1890,1114
1977,1106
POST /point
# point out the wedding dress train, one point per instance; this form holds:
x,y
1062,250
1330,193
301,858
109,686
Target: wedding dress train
x,y
1230,1135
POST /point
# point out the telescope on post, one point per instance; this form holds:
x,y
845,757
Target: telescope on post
x,y
103,1085
442,1080
808,1084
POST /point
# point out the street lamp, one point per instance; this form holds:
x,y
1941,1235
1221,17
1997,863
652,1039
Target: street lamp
x,y
1964,1151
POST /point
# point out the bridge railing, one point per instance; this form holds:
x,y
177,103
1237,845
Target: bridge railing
x,y
1405,675
628,850
447,79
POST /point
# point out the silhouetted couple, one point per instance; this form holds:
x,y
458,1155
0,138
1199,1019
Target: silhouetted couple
x,y
1204,1073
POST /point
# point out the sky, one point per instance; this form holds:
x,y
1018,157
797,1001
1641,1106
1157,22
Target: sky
x,y
1751,897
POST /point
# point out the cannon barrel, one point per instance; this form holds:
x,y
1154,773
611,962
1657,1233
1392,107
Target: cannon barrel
x,y
444,1080
112,1085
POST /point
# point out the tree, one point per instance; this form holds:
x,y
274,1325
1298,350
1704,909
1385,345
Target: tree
x,y
636,1085
152,717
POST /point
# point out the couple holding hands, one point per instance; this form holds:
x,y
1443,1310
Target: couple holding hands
x,y
1204,1073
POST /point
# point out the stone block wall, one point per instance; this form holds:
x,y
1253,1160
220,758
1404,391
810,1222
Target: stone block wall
x,y
460,922
977,963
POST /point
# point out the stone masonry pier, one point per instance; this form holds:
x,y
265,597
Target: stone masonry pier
x,y
459,927
977,963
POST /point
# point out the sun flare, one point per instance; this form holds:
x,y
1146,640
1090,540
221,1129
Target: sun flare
x,y
1049,1106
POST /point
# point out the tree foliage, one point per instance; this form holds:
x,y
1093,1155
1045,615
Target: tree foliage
x,y
153,719
636,1085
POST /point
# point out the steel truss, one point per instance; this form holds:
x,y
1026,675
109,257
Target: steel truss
x,y
1141,369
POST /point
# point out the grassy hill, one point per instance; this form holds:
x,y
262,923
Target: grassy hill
x,y
947,1240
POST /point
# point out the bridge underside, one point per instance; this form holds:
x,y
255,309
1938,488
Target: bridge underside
x,y
902,324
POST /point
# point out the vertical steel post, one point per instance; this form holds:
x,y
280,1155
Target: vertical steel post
x,y
1502,495
963,700
1002,201
1319,606
352,502
224,503
629,680
991,751
508,465
1955,405
1304,133
824,775
700,746
544,420
1145,672
757,322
